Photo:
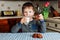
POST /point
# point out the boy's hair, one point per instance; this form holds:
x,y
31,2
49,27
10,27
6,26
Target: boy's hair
x,y
27,4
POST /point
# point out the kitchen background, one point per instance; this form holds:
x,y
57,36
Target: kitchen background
x,y
17,5
53,25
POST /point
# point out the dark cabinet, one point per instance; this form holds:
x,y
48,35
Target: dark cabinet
x,y
4,26
7,24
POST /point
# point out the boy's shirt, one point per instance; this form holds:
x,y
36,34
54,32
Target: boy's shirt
x,y
33,26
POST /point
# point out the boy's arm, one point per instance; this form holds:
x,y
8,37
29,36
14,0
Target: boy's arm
x,y
16,28
43,26
41,23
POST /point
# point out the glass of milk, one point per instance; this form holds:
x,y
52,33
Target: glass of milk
x,y
27,20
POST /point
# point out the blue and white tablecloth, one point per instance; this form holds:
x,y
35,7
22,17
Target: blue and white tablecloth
x,y
28,36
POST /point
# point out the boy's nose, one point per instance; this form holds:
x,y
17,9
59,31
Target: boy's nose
x,y
27,14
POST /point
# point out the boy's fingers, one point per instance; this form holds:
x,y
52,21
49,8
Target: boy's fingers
x,y
41,17
22,20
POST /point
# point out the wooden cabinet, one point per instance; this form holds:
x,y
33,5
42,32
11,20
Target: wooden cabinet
x,y
53,24
13,22
7,24
4,26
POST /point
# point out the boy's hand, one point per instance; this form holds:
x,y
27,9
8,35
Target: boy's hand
x,y
23,20
39,17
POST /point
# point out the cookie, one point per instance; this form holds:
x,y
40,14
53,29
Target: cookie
x,y
34,35
39,36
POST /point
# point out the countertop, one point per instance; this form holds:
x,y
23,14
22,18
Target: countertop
x,y
11,17
53,19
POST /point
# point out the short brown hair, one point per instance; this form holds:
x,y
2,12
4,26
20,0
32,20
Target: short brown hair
x,y
27,4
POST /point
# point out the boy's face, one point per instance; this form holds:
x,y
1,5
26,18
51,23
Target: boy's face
x,y
28,11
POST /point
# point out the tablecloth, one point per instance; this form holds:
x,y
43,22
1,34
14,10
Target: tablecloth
x,y
28,36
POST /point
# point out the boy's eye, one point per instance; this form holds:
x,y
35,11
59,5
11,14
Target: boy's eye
x,y
29,11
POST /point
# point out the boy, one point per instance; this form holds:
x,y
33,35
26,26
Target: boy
x,y
27,23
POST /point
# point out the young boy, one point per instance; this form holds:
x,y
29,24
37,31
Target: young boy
x,y
27,23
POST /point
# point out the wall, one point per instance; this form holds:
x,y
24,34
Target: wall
x,y
11,5
4,5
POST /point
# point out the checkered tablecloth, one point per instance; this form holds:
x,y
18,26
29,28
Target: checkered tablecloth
x,y
28,36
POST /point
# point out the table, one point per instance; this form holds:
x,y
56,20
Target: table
x,y
28,36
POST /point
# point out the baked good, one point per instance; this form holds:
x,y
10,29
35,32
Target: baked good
x,y
37,35
34,35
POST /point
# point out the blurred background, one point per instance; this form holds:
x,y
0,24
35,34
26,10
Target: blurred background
x,y
11,10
